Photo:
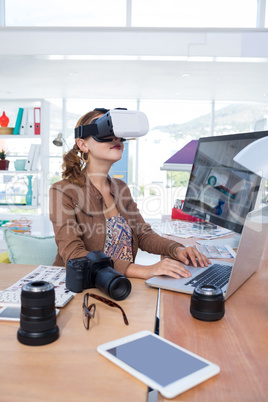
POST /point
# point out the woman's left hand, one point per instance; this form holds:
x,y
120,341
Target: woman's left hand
x,y
190,255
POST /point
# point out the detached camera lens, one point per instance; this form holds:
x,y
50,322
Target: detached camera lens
x,y
207,303
38,314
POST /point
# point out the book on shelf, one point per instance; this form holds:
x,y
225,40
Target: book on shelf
x,y
35,193
16,130
33,157
28,121
23,122
37,120
36,156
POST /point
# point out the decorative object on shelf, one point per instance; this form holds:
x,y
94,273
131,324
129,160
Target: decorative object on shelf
x,y
3,222
4,129
4,120
4,163
22,225
20,164
29,194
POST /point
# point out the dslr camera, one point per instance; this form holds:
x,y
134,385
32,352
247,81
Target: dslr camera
x,y
96,271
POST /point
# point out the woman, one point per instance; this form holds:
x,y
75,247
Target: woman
x,y
90,211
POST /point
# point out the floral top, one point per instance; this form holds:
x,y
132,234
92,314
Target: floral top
x,y
118,239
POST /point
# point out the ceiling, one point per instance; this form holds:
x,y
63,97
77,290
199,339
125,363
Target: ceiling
x,y
195,64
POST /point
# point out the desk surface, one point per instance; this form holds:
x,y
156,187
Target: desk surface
x,y
70,369
238,343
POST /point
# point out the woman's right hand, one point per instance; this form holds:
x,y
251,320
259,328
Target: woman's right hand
x,y
167,266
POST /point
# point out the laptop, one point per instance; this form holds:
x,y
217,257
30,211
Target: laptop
x,y
253,241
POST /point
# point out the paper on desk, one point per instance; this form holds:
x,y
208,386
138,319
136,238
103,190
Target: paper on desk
x,y
216,251
55,275
186,230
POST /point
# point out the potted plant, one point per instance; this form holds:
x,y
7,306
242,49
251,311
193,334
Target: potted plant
x,y
3,161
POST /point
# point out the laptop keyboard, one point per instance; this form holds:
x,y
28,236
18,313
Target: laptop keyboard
x,y
217,275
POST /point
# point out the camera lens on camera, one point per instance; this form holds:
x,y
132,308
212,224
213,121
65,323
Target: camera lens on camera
x,y
112,283
119,288
38,314
207,303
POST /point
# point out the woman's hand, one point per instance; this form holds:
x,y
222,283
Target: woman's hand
x,y
169,266
190,255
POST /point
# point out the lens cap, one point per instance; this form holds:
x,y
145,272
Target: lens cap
x,y
207,303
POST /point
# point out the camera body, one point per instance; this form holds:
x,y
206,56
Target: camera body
x,y
96,271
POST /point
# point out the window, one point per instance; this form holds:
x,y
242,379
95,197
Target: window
x,y
89,13
194,13
233,118
172,125
149,13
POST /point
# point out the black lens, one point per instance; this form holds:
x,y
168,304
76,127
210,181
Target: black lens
x,y
112,283
207,303
119,288
38,314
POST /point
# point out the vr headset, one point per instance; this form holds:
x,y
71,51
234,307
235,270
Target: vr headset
x,y
120,123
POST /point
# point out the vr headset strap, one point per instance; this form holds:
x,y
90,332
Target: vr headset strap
x,y
86,131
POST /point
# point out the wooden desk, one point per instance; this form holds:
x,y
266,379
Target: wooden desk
x,y
70,369
238,343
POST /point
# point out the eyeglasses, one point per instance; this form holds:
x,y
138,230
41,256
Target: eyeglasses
x,y
89,311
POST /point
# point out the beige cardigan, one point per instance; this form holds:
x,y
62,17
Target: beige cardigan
x,y
80,226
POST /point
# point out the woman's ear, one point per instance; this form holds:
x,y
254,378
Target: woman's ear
x,y
82,145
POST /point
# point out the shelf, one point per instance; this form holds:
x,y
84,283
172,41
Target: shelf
x,y
16,136
25,172
19,147
18,206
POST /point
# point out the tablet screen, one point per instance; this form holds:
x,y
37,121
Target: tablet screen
x,y
157,360
12,313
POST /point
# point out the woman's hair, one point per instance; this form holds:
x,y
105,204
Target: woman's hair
x,y
74,160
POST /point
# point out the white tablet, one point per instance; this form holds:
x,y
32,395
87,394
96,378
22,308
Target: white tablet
x,y
12,313
160,364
